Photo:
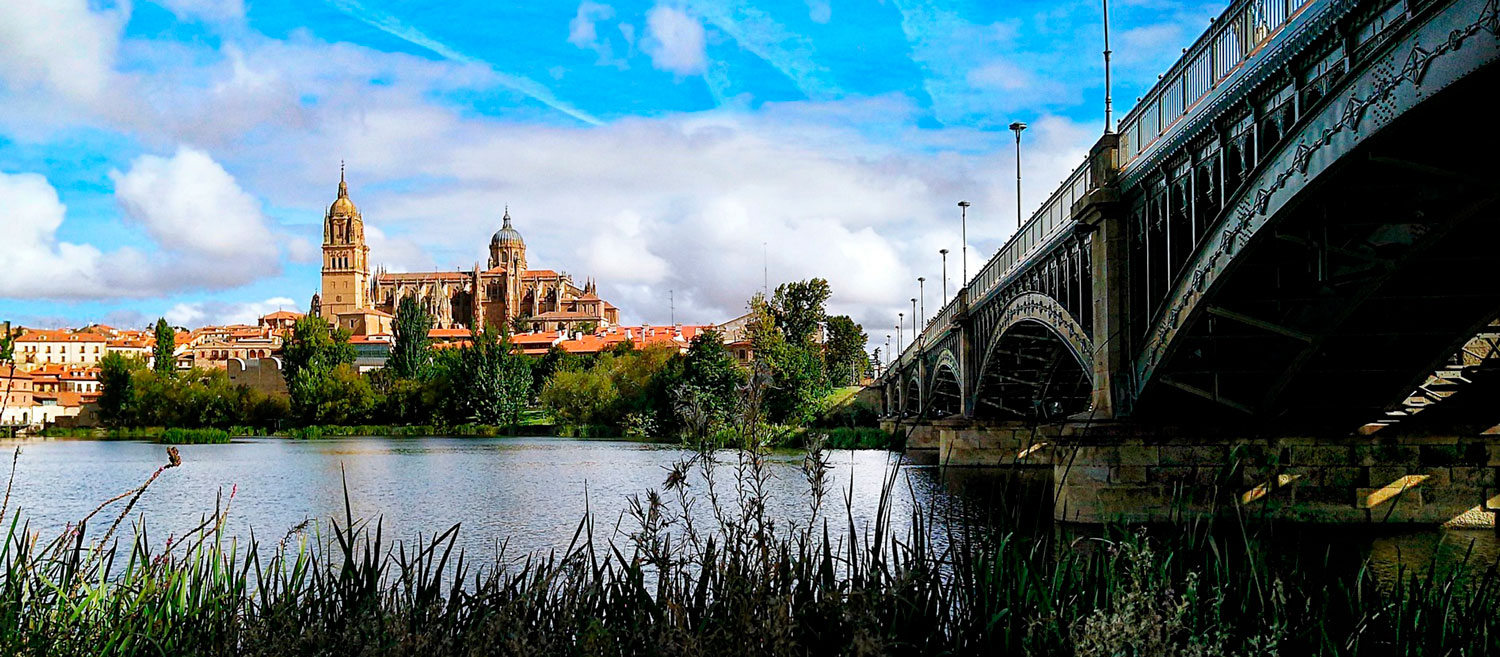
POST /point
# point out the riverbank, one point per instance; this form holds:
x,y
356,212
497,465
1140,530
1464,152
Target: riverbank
x,y
782,437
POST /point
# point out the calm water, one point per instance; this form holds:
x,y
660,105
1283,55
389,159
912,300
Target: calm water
x,y
532,492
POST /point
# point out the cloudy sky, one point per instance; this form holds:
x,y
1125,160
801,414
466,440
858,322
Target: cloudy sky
x,y
175,157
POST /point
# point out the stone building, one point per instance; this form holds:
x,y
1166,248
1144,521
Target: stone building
x,y
500,293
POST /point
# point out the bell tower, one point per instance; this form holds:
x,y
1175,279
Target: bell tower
x,y
346,272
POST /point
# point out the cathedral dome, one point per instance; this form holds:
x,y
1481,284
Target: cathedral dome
x,y
342,205
507,234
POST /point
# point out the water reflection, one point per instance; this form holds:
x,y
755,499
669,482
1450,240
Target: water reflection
x,y
531,493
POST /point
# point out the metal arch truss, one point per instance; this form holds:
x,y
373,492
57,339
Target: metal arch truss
x,y
1198,207
1038,362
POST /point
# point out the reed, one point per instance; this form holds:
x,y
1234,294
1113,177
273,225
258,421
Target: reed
x,y
745,583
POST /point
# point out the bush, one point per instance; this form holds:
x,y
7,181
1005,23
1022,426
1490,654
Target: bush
x,y
176,436
860,438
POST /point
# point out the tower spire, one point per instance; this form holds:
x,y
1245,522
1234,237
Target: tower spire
x,y
343,187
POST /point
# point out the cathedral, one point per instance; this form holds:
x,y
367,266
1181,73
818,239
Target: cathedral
x,y
505,292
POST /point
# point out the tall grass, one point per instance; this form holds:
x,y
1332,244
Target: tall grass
x,y
744,583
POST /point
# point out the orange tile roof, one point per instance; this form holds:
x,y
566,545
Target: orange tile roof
x,y
449,333
283,314
64,398
10,372
539,273
59,335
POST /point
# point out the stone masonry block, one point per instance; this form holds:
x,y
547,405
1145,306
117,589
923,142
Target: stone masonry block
x,y
1138,455
1321,455
1368,455
1252,454
1474,454
1346,476
1128,474
1085,474
1089,455
1430,440
1441,455
1199,455
1170,474
1333,496
1473,477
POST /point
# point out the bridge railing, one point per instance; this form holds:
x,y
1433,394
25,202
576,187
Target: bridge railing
x,y
1235,36
1050,220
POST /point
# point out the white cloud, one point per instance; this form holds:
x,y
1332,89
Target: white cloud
x,y
675,41
620,252
35,263
61,46
203,313
582,32
191,205
206,234
208,10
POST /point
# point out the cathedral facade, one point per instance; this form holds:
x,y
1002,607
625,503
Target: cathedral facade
x,y
504,292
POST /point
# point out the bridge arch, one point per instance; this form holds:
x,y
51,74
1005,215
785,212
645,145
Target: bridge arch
x,y
1038,364
911,396
946,389
1352,251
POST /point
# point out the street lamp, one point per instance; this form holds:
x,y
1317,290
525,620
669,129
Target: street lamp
x,y
922,292
963,226
887,350
900,322
1109,112
915,331
1018,128
944,252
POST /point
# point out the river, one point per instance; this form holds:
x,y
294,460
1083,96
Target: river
x,y
531,493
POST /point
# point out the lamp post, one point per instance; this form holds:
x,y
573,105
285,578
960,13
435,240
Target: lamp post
x,y
887,350
915,330
963,227
1109,112
944,253
922,293
900,322
1018,127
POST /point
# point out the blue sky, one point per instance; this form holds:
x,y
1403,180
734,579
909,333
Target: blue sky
x,y
175,157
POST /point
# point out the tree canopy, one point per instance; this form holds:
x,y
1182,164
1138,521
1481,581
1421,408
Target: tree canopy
x,y
411,355
162,353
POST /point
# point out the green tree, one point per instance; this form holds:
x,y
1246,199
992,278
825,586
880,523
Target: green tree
x,y
411,355
845,350
555,360
798,382
315,345
337,396
710,368
117,389
309,356
580,397
163,360
489,382
798,308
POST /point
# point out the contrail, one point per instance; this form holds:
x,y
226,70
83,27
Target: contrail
x,y
394,27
